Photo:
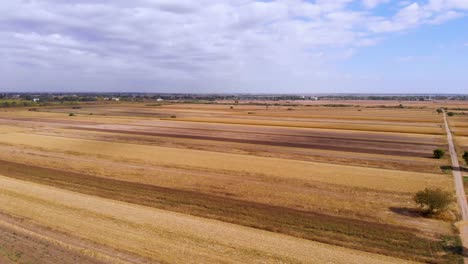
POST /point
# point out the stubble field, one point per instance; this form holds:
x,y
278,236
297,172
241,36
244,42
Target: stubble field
x,y
178,183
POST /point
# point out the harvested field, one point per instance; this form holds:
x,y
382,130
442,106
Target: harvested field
x,y
343,126
230,163
159,234
205,179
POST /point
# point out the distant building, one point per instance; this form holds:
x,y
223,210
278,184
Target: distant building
x,y
36,99
115,99
159,100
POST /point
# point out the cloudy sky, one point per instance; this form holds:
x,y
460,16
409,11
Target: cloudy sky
x,y
285,46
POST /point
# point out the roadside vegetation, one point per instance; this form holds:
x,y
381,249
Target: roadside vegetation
x,y
438,153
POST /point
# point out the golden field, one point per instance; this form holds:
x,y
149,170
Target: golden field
x,y
145,229
224,183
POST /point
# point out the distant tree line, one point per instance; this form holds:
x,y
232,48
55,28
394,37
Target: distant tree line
x,y
6,104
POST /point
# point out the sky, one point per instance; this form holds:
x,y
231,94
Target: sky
x,y
234,46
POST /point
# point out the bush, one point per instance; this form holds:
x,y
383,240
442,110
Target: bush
x,y
71,114
440,111
450,113
173,116
438,153
433,201
465,157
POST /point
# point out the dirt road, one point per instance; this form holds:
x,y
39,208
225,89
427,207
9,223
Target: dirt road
x,y
460,191
461,197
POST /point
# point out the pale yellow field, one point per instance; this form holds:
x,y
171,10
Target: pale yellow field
x,y
341,126
338,113
21,114
390,180
9,129
163,235
460,140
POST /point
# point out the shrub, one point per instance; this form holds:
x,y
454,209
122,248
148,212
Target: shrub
x,y
173,116
440,111
450,113
71,114
465,157
433,201
438,153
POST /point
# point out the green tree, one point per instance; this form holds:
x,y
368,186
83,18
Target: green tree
x,y
433,201
438,153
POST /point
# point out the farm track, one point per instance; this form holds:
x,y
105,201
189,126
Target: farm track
x,y
459,187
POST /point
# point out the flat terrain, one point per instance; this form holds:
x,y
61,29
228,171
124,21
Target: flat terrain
x,y
160,234
178,183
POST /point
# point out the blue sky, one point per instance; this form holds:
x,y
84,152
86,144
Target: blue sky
x,y
283,46
432,58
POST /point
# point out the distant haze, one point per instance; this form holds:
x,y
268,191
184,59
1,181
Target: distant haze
x,y
234,46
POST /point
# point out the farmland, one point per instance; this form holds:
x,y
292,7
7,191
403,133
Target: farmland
x,y
459,122
256,183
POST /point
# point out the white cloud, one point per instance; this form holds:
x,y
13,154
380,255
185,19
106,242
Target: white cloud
x,y
445,16
440,5
202,43
413,14
373,3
